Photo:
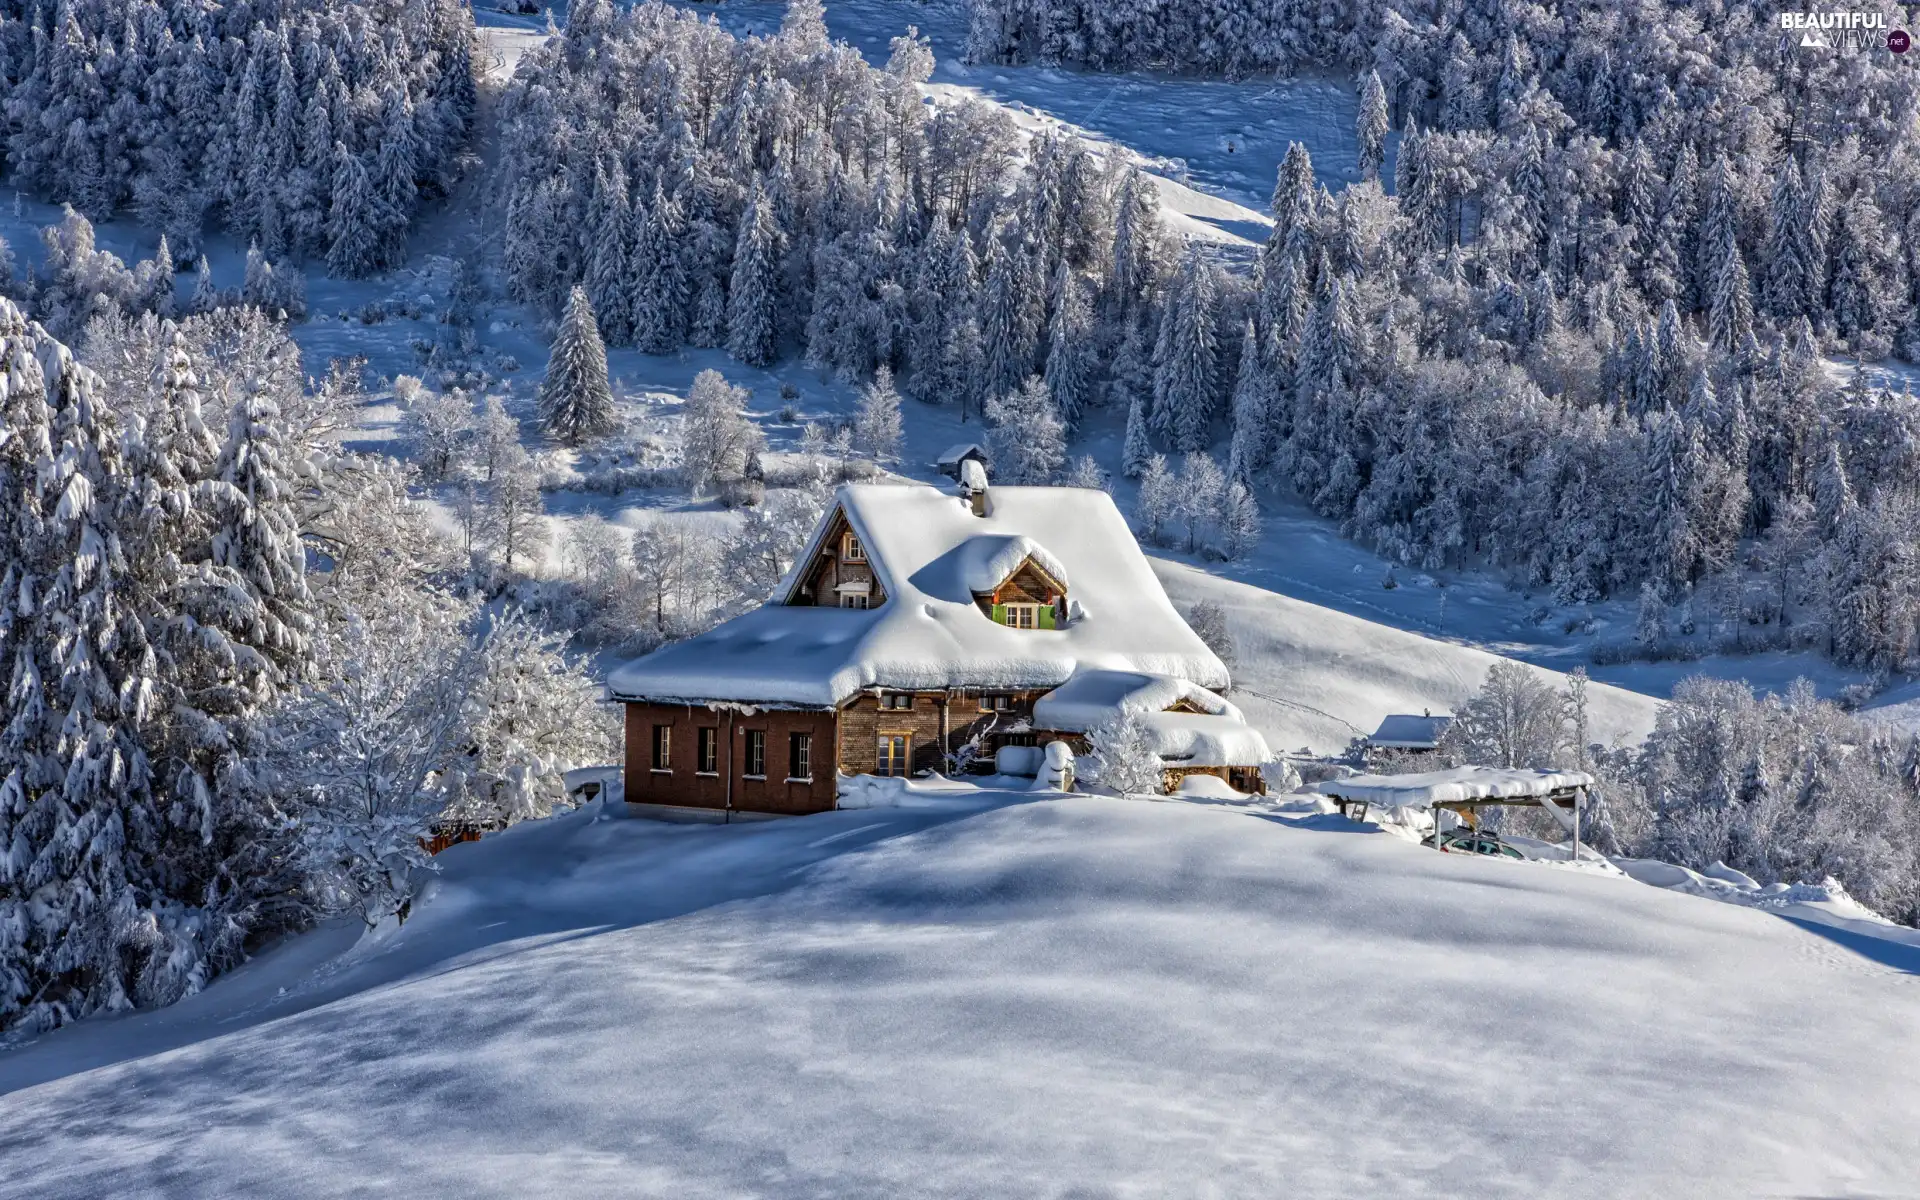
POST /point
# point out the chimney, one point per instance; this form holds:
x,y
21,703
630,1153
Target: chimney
x,y
973,486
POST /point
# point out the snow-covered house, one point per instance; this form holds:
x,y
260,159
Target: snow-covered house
x,y
1408,734
920,623
960,452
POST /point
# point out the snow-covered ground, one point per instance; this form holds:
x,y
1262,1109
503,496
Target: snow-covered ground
x,y
1310,677
1076,996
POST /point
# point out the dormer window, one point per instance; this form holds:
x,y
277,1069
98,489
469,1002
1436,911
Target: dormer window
x,y
851,550
855,600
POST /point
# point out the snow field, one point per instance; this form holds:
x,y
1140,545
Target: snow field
x,y
1076,996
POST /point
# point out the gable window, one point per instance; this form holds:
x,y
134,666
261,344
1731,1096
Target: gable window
x,y
995,702
891,758
707,760
896,700
663,747
800,756
1023,616
756,754
851,549
855,600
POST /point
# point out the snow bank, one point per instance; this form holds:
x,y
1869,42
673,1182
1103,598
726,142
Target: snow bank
x,y
1210,788
1075,997
933,791
930,553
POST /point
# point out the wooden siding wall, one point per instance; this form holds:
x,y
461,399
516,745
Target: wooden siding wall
x,y
863,721
830,570
681,785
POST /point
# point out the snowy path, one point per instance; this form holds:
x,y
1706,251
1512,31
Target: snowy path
x,y
1072,997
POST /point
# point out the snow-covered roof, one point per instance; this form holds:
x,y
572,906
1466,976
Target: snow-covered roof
x,y
1216,737
927,548
959,450
989,559
1404,732
1205,740
1095,696
1428,788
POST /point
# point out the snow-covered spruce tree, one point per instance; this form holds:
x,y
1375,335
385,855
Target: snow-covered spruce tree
x,y
1123,757
1070,369
753,295
660,295
1370,129
1026,435
355,219
78,814
876,427
718,439
156,603
1185,357
576,399
1252,410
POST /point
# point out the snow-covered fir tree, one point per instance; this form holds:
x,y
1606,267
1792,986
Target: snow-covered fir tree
x,y
576,399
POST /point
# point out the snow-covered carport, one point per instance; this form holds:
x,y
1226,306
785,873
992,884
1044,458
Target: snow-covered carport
x,y
1466,790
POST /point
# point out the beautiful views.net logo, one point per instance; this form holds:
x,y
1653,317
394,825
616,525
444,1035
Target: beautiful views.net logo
x,y
1845,30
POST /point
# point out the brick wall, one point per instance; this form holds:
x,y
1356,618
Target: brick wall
x,y
682,785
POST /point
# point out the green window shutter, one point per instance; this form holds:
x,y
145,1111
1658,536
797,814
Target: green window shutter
x,y
999,614
1046,616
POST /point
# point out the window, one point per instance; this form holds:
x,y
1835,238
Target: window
x,y
663,747
855,600
756,754
799,756
995,702
896,700
1023,616
851,549
708,758
892,758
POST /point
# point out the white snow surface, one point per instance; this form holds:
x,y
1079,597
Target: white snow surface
x,y
986,561
1309,676
928,549
1201,740
1093,697
1077,996
1427,788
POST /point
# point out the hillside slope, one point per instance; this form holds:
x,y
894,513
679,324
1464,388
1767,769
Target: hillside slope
x,y
1313,677
1080,996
